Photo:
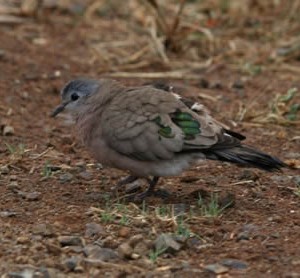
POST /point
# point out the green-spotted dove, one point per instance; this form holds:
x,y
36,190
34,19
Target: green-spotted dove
x,y
151,132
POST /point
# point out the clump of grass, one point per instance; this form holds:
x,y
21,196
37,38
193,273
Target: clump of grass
x,y
182,228
283,110
47,170
154,254
18,149
212,208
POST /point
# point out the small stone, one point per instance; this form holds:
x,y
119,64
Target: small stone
x,y
204,83
238,84
193,243
292,275
179,209
124,232
94,230
217,85
43,229
8,130
23,240
5,214
71,263
73,249
216,268
295,262
243,236
32,196
13,177
4,170
248,175
140,249
23,274
70,241
53,248
2,53
125,250
96,252
86,175
275,218
233,263
281,178
13,186
167,243
135,239
66,177
48,272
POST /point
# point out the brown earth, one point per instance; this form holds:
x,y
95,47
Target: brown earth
x,y
48,178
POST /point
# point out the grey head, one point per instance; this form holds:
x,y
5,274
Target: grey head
x,y
74,93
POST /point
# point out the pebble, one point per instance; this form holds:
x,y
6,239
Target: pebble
x,y
94,230
233,263
193,243
23,240
70,241
71,263
238,84
85,175
8,130
248,175
26,273
281,178
43,229
203,83
135,239
275,218
4,170
5,214
166,242
96,252
216,268
53,248
13,186
124,232
243,236
180,209
32,196
66,177
2,53
141,249
125,250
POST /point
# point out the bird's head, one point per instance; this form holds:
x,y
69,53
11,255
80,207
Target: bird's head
x,y
75,93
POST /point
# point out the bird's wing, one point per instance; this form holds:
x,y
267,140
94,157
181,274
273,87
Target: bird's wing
x,y
148,124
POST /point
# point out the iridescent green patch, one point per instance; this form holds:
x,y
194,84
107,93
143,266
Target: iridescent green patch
x,y
189,125
164,131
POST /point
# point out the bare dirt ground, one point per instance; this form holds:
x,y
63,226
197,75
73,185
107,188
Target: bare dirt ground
x,y
58,216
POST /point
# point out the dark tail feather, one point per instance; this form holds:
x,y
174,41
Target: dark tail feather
x,y
244,155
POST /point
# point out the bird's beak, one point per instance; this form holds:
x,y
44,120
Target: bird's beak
x,y
58,109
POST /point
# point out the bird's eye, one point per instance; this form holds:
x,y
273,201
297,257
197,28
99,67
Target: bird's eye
x,y
74,97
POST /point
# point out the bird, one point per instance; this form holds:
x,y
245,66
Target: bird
x,y
151,132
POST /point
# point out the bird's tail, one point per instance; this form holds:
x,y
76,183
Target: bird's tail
x,y
247,156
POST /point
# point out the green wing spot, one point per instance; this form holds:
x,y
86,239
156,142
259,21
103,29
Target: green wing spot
x,y
187,123
157,120
190,131
183,116
164,131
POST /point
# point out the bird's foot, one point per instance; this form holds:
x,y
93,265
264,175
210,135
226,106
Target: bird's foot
x,y
122,182
139,197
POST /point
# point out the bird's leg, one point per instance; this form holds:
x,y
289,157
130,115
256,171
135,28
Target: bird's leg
x,y
124,181
128,179
150,191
